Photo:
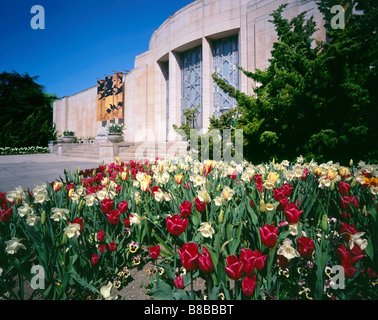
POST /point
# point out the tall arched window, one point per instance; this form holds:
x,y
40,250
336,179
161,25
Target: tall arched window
x,y
225,62
191,94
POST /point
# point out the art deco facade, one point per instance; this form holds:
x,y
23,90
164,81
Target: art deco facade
x,y
204,37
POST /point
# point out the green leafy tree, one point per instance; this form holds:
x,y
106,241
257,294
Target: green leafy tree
x,y
314,99
26,112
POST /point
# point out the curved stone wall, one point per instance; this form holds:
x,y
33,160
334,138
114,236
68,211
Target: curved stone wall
x,y
155,90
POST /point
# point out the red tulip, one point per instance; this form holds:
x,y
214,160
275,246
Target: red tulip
x,y
101,235
206,262
278,194
176,225
189,256
200,205
268,235
260,260
112,246
126,221
292,213
179,282
283,204
94,259
186,209
344,188
247,257
249,284
123,206
113,216
348,258
102,248
6,215
154,252
305,247
3,198
348,202
234,268
287,189
107,205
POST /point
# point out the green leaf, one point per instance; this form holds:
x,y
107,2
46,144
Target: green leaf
x,y
370,250
161,291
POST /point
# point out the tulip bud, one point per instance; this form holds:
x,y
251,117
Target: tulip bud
x,y
324,223
71,192
64,239
81,204
332,187
93,172
19,200
364,210
351,162
123,175
353,183
220,217
218,188
43,217
262,206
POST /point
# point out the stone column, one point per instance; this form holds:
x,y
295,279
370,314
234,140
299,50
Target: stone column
x,y
207,84
174,95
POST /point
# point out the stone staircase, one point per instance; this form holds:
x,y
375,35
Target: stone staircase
x,y
150,150
81,150
126,151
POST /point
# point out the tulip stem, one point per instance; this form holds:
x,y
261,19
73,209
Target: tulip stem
x,y
191,285
208,287
174,258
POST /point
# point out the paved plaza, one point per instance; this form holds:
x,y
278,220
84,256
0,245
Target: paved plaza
x,y
34,169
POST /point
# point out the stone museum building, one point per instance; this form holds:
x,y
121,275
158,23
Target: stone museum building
x,y
204,37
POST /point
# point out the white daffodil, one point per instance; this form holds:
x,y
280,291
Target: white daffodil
x,y
25,210
13,245
59,214
135,219
32,219
73,230
227,193
105,291
218,201
206,230
159,195
356,239
287,250
204,195
91,200
293,228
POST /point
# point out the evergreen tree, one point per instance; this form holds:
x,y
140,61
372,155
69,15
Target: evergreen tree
x,y
315,100
26,112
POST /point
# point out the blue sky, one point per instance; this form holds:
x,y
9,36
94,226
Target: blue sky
x,y
82,39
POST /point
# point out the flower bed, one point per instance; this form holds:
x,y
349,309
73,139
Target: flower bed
x,y
270,231
23,150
